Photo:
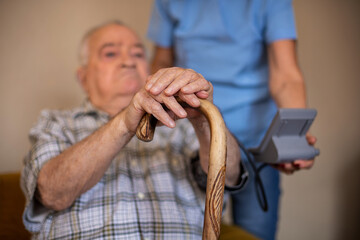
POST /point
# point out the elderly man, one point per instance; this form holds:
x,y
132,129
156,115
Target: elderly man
x,y
87,176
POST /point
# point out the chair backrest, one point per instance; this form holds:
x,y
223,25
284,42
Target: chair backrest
x,y
12,202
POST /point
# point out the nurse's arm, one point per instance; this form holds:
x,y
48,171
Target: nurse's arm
x,y
287,87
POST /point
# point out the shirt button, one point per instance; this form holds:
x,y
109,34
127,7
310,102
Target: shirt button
x,y
140,195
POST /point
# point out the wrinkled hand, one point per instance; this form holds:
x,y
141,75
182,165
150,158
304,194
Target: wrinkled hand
x,y
290,168
186,83
161,89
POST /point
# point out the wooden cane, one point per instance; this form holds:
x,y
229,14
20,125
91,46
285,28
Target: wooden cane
x,y
217,164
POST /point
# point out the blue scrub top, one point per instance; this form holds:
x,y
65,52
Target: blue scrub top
x,y
226,41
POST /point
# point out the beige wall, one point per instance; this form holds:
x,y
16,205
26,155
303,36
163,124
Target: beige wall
x,y
324,203
38,44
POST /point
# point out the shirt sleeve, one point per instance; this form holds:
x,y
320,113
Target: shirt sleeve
x,y
191,150
160,29
47,141
201,177
279,21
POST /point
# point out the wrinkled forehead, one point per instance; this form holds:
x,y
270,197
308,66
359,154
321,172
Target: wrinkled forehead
x,y
113,34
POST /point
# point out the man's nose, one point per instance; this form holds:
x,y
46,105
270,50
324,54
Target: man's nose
x,y
127,60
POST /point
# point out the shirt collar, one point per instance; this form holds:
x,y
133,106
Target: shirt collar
x,y
87,108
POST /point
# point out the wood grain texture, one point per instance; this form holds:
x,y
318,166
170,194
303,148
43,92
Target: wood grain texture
x,y
215,203
146,128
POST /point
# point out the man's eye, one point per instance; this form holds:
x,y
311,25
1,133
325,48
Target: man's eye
x,y
139,55
110,54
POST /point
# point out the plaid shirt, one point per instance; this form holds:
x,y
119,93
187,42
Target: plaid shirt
x,y
148,192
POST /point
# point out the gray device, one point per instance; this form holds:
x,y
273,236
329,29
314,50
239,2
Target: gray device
x,y
285,140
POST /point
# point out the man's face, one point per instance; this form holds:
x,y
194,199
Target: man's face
x,y
116,69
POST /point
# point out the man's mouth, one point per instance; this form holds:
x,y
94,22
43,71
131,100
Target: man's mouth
x,y
131,73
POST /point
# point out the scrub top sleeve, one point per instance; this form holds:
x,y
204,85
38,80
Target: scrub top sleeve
x,y
160,28
279,21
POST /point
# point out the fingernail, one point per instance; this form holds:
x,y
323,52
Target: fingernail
x,y
154,89
148,86
171,124
168,91
182,112
195,101
185,89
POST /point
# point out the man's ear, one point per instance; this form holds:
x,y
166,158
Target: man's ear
x,y
81,77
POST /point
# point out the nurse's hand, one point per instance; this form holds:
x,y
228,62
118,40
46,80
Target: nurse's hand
x,y
290,168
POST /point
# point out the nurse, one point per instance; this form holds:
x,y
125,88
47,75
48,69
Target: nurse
x,y
247,50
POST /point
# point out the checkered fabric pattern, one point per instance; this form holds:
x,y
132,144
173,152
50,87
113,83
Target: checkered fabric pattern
x,y
148,192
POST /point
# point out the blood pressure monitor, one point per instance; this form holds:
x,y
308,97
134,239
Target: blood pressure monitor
x,y
285,140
